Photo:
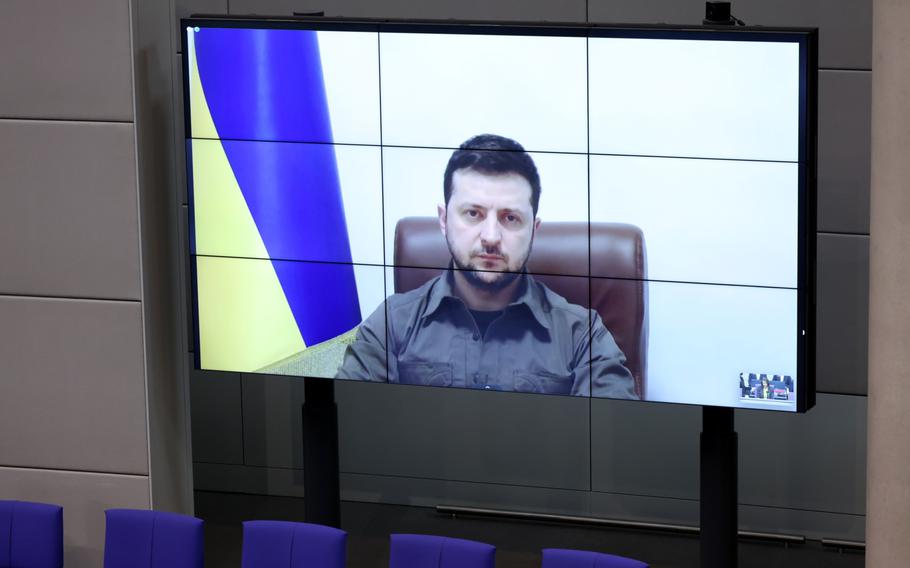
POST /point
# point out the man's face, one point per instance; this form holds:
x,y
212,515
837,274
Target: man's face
x,y
489,226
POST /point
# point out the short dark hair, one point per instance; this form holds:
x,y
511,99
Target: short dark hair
x,y
495,155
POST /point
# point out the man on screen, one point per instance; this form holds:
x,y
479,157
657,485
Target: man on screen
x,y
485,322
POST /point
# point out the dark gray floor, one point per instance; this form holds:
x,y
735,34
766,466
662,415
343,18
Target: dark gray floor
x,y
518,544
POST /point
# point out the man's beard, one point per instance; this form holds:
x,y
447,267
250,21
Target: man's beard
x,y
474,276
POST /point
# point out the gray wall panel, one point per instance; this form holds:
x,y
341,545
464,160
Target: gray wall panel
x,y
845,26
165,357
644,508
432,492
179,132
248,479
186,8
811,524
69,60
845,39
217,420
814,461
420,492
647,11
73,380
393,489
844,146
842,314
464,435
69,222
186,284
386,430
632,444
272,423
84,498
567,11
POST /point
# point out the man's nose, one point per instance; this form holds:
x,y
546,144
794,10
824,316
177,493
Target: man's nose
x,y
490,232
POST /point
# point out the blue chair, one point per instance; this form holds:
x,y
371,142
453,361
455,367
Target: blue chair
x,y
293,545
562,558
31,535
425,551
136,538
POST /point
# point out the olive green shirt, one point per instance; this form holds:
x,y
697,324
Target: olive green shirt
x,y
541,343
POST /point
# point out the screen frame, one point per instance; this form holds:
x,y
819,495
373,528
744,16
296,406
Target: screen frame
x,y
806,38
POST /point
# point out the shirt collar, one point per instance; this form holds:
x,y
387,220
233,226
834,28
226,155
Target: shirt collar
x,y
530,296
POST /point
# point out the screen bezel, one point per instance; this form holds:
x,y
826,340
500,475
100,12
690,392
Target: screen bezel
x,y
806,38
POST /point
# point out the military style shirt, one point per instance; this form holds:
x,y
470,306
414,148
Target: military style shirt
x,y
540,343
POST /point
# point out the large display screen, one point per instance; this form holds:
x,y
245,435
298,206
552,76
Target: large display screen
x,y
576,210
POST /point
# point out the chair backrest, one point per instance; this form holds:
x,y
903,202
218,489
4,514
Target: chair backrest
x,y
562,558
136,538
292,545
618,287
31,534
427,551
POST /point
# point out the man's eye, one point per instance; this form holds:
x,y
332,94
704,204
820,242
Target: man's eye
x,y
472,213
510,218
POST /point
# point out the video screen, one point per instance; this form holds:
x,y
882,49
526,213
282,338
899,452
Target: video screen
x,y
595,212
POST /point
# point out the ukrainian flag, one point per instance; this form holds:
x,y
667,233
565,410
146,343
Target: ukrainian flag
x,y
268,231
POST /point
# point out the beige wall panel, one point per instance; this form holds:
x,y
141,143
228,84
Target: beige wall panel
x,y
69,220
73,388
68,60
888,487
168,387
84,498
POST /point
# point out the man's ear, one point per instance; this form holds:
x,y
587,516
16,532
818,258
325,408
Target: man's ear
x,y
441,211
536,223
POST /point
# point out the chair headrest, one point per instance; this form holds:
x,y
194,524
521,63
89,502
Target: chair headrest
x,y
560,258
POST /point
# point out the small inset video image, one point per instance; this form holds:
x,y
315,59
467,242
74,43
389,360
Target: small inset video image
x,y
766,386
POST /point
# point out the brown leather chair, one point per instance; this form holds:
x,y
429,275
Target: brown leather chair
x,y
618,289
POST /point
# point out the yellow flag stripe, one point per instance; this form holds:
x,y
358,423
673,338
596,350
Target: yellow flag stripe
x,y
245,321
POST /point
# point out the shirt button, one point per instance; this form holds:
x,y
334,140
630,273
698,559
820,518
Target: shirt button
x,y
476,336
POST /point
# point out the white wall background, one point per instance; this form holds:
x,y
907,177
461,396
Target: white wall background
x,y
719,99
703,336
350,70
439,90
714,221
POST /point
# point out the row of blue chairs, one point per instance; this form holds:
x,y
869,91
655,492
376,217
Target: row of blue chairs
x,y
31,535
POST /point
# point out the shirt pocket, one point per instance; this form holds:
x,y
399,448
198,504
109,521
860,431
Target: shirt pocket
x,y
428,374
542,382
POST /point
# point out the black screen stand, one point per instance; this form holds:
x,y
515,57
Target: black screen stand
x,y
719,479
321,491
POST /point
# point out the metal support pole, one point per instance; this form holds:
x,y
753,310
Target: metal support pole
x,y
719,479
321,488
